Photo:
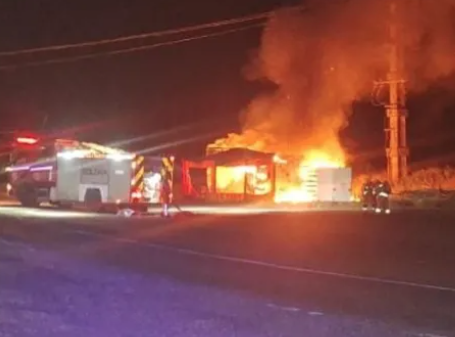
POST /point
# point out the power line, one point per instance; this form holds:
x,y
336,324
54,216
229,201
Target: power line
x,y
189,29
129,50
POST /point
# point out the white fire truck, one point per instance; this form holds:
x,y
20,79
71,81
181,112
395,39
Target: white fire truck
x,y
67,172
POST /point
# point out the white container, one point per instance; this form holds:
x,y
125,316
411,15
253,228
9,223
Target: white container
x,y
334,184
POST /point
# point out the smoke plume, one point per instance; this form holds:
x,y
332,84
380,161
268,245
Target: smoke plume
x,y
322,59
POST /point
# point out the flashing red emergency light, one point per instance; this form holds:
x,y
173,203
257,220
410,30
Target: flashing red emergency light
x,y
26,140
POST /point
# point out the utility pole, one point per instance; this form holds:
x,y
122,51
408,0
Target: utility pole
x,y
397,151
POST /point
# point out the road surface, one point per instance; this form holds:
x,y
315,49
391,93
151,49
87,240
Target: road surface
x,y
287,274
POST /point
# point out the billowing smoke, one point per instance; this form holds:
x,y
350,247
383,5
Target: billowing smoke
x,y
322,59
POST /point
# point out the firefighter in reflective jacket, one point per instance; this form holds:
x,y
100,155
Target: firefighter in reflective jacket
x,y
383,197
368,195
166,194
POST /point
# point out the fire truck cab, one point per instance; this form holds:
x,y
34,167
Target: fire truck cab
x,y
66,173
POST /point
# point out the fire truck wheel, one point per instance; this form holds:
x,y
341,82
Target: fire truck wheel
x,y
93,199
27,196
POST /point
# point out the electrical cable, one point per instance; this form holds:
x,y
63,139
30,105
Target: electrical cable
x,y
128,50
189,29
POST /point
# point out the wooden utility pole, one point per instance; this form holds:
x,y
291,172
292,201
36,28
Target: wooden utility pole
x,y
397,151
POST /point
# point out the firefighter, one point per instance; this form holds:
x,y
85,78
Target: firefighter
x,y
166,194
377,186
367,195
375,189
383,197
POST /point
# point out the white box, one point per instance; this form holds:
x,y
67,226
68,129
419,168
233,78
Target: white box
x,y
334,184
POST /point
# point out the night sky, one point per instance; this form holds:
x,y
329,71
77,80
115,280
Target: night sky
x,y
200,82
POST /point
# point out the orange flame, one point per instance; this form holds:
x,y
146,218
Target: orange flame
x,y
232,179
303,191
320,159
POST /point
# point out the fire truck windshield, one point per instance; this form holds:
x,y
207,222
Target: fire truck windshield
x,y
30,154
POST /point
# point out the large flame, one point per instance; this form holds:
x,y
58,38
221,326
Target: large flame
x,y
256,180
319,62
320,159
231,179
303,191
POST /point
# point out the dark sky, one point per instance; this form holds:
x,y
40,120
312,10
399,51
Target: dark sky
x,y
141,92
163,88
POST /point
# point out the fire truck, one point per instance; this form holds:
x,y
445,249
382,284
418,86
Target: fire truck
x,y
66,173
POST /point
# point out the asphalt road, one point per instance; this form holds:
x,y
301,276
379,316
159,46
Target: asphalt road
x,y
288,274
